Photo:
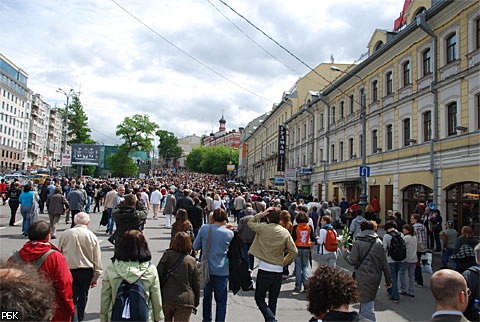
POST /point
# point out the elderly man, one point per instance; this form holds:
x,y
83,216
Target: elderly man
x,y
81,249
451,294
57,204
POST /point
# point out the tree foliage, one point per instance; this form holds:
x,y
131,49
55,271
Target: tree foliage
x,y
136,132
168,148
121,164
212,160
78,131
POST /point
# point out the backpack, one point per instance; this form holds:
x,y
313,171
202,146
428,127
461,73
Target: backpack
x,y
331,241
130,303
37,263
302,234
397,249
472,311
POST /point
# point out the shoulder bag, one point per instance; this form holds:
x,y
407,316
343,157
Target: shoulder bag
x,y
202,266
361,262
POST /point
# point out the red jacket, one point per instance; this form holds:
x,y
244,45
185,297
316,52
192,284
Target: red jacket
x,y
55,268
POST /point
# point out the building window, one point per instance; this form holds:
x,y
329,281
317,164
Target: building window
x,y
427,126
352,101
333,114
477,33
427,62
304,131
477,101
389,137
452,118
332,153
451,48
342,109
340,151
406,73
389,83
322,120
374,141
406,132
350,148
375,91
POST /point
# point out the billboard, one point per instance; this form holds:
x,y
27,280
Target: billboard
x,y
85,154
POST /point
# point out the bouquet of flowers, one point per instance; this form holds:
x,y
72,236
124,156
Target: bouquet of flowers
x,y
345,239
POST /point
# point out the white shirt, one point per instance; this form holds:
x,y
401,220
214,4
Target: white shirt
x,y
155,197
145,198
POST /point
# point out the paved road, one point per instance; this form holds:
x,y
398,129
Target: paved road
x,y
292,307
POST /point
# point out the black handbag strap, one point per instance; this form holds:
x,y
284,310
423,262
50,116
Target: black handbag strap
x,y
173,268
368,251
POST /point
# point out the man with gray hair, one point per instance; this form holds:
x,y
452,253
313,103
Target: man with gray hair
x,y
472,276
76,200
451,294
81,249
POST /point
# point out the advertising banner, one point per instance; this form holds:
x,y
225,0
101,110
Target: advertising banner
x,y
282,141
85,154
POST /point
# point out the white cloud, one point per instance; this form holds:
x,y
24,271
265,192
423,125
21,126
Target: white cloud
x,y
123,68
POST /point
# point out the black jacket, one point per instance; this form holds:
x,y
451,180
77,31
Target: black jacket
x,y
239,273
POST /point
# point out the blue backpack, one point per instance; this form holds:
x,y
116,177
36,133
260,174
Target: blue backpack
x,y
130,303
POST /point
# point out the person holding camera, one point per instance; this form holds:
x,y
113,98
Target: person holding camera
x,y
274,247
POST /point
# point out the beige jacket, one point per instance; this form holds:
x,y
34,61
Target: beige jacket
x,y
109,198
271,242
81,249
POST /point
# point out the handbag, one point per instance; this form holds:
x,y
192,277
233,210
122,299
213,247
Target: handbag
x,y
202,266
464,251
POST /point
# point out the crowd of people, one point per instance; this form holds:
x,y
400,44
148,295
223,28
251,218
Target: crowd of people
x,y
230,228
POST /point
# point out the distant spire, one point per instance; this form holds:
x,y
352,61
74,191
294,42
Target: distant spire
x,y
222,124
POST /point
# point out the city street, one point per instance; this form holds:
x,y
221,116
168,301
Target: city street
x,y
241,307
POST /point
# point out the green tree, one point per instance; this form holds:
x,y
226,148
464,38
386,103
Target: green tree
x,y
121,164
78,131
211,159
168,148
136,132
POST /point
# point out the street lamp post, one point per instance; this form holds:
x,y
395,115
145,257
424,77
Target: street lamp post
x,y
68,94
363,117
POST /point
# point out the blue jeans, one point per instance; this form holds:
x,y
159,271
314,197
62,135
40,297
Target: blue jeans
x,y
410,268
89,203
110,221
394,270
270,282
248,258
217,285
446,254
301,267
367,310
26,213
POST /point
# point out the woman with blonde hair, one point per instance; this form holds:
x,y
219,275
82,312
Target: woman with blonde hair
x,y
218,202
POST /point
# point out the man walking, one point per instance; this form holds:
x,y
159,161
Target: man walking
x,y
394,263
81,249
239,205
217,248
169,208
155,201
271,243
76,200
57,204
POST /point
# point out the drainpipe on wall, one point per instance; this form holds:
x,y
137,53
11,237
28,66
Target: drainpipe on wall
x,y
322,98
421,22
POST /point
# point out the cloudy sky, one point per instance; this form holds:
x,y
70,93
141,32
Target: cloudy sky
x,y
182,62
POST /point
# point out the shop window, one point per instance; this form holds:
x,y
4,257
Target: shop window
x,y
463,200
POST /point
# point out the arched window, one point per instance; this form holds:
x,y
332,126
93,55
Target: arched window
x,y
414,195
378,45
463,201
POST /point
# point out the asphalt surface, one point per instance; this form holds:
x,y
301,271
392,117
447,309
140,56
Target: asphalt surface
x,y
292,306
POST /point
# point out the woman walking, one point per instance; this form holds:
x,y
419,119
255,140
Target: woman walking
x,y
132,263
181,224
27,200
179,279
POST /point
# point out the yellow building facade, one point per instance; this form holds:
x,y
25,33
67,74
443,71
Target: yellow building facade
x,y
421,92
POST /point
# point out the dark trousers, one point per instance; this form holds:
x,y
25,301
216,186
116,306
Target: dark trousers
x,y
82,277
13,204
418,270
430,240
438,245
41,205
73,213
268,282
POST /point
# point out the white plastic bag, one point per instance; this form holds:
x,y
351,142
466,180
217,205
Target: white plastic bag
x,y
426,263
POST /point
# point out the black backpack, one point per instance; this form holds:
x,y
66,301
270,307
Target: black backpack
x,y
130,303
397,249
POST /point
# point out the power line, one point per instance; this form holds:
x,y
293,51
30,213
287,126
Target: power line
x,y
283,47
260,46
189,55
